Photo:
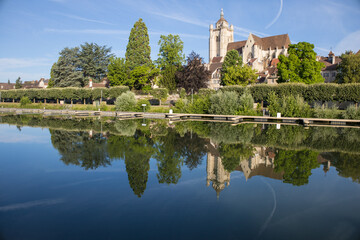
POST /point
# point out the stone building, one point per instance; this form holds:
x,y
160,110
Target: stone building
x,y
257,52
329,71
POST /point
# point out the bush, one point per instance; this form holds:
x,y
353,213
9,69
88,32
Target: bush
x,y
24,101
181,105
160,93
288,106
125,102
226,103
140,108
325,112
352,112
246,102
182,93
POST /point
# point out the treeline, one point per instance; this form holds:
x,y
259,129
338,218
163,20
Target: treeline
x,y
70,93
315,92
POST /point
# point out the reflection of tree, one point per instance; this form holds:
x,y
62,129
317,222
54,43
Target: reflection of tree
x,y
296,165
137,151
169,158
193,149
80,149
225,133
232,154
348,165
126,127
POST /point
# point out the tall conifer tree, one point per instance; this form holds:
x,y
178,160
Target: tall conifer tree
x,y
138,48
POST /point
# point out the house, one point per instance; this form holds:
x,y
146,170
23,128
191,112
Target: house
x,y
102,84
329,71
42,83
259,53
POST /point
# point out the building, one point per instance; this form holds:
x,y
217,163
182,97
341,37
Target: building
x,y
42,83
7,86
329,71
103,84
257,52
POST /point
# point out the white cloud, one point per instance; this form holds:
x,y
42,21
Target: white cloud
x,y
26,205
350,42
180,18
82,18
246,31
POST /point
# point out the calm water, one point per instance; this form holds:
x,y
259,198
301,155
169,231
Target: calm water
x,y
106,179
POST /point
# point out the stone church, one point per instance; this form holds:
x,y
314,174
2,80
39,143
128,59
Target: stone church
x,y
260,53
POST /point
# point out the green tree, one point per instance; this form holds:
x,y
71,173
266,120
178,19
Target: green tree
x,y
232,154
141,77
300,65
18,83
138,48
168,77
94,61
51,82
170,51
194,75
118,72
232,58
67,71
349,68
238,75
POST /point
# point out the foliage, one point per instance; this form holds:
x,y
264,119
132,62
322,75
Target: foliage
x,y
194,75
114,92
349,69
24,101
226,103
117,72
18,83
168,77
352,112
239,75
141,77
321,111
94,61
300,65
170,51
125,102
296,165
348,165
232,154
138,48
288,106
159,93
246,102
182,93
140,108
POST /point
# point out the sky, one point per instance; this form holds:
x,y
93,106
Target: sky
x,y
32,33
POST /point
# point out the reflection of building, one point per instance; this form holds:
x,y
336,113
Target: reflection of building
x,y
216,173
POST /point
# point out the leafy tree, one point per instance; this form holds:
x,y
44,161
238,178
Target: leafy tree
x,y
232,59
51,82
296,165
67,71
138,48
170,51
141,77
238,75
349,69
194,75
232,154
118,72
94,60
300,65
348,165
18,83
168,78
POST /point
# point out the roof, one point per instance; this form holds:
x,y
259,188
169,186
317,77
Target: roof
x,y
214,66
7,86
216,59
274,62
328,65
263,170
236,45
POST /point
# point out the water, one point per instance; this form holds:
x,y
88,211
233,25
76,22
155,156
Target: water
x,y
106,179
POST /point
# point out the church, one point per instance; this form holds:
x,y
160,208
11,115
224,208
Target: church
x,y
259,53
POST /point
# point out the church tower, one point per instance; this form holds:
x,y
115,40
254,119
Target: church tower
x,y
220,37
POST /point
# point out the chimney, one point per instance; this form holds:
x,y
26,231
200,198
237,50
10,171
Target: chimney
x,y
90,83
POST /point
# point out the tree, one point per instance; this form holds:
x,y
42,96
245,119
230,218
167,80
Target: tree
x,y
232,58
67,71
238,75
300,65
94,60
8,81
18,83
168,78
141,77
349,68
51,82
117,72
138,48
170,51
194,75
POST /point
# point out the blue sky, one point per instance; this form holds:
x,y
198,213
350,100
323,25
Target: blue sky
x,y
34,32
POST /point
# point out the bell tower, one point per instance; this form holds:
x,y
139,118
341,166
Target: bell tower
x,y
220,37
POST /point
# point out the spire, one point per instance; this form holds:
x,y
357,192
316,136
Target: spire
x,y
222,13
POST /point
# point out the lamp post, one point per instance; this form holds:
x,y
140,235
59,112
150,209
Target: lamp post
x,y
144,105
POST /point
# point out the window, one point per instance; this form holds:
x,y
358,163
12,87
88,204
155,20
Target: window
x,y
334,74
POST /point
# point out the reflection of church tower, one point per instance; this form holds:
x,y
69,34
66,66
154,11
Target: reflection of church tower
x,y
216,173
220,36
327,167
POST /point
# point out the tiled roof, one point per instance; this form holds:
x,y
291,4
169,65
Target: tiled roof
x,y
216,59
7,86
214,66
328,65
274,62
273,41
236,45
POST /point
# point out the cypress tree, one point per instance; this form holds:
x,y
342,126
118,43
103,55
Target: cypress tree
x,y
138,48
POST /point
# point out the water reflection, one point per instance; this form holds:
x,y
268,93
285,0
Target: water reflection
x,y
289,154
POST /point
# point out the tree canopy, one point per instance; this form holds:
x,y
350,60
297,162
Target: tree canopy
x,y
194,75
301,65
170,51
18,83
349,68
117,72
138,48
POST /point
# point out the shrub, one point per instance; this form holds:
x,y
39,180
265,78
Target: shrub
x,y
125,102
325,112
224,103
160,93
140,108
24,101
352,112
181,105
246,102
182,93
288,106
200,105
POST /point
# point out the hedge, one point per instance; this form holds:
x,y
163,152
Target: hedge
x,y
64,93
314,92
